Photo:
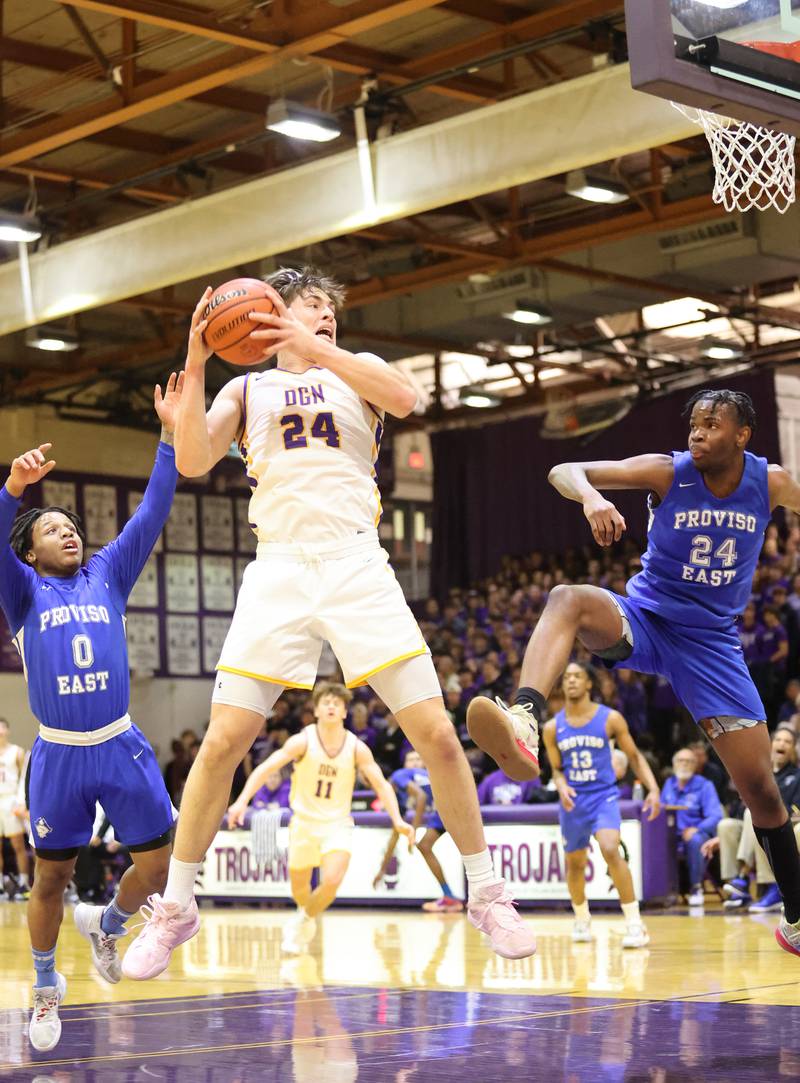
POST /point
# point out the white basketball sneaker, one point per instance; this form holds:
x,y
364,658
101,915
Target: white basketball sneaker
x,y
104,945
582,932
635,936
510,735
45,1026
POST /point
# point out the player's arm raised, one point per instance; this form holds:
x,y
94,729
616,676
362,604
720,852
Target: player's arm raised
x,y
617,729
784,491
563,788
366,764
201,439
294,749
582,483
368,375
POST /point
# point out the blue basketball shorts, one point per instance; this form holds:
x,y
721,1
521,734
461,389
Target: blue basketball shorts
x,y
66,781
705,666
433,822
592,813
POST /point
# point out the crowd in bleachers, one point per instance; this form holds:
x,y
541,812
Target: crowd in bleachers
x,y
477,637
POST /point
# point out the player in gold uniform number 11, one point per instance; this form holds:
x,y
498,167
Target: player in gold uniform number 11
x,y
325,757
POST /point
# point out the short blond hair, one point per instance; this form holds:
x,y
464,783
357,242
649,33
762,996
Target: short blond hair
x,y
331,688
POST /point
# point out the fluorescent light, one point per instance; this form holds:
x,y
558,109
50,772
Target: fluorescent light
x,y
721,351
478,399
51,339
19,227
529,312
519,352
594,191
301,122
670,313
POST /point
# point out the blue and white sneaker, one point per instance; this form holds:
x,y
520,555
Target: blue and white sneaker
x,y
737,892
771,900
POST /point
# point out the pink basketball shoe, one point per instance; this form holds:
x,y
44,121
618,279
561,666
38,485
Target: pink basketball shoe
x,y
491,909
167,925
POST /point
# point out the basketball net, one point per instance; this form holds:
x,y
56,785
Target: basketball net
x,y
753,166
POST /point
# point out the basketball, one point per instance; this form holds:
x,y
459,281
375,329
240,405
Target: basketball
x,y
228,330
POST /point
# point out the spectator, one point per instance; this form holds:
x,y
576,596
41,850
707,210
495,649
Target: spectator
x,y
698,812
775,652
632,701
388,746
274,793
740,854
176,771
359,724
710,768
789,705
498,789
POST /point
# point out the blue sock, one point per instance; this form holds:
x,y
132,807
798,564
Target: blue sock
x,y
114,917
44,964
448,894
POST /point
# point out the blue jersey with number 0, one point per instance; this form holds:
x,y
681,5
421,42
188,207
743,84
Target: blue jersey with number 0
x,y
702,550
70,631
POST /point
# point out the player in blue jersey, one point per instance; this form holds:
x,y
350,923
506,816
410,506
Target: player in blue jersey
x,y
578,742
68,623
413,788
709,508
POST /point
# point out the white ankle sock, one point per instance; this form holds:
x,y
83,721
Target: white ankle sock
x,y
631,912
180,881
581,911
479,869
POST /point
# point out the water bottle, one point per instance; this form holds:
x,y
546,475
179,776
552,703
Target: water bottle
x,y
638,791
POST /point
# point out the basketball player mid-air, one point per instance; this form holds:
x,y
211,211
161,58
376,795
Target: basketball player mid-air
x,y
68,623
326,757
12,759
578,742
309,430
709,508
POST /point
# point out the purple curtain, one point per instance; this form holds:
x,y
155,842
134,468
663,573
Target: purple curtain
x,y
491,496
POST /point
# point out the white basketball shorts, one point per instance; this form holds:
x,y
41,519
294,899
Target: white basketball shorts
x,y
310,840
294,597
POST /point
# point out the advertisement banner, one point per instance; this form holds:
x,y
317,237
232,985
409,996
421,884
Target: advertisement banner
x,y
529,856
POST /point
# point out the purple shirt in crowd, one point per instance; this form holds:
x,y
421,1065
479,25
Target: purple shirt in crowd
x,y
750,639
499,789
266,798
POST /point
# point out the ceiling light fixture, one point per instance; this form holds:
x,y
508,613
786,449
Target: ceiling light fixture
x,y
301,121
477,398
722,351
19,227
594,190
530,312
51,339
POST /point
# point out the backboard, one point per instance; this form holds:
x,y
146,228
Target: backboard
x,y
737,58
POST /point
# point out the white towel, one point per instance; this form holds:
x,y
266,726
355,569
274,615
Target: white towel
x,y
264,835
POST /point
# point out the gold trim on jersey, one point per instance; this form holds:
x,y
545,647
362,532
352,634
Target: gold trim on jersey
x,y
401,658
270,680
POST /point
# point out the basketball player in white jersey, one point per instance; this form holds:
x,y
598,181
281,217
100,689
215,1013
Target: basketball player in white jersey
x,y
309,430
325,758
12,759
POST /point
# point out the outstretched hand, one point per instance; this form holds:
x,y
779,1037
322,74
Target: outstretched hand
x,y
29,468
281,330
167,404
197,352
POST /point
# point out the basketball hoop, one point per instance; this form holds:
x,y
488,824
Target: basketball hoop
x,y
753,166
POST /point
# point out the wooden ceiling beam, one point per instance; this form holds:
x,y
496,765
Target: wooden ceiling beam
x,y
84,180
47,58
574,13
620,226
196,78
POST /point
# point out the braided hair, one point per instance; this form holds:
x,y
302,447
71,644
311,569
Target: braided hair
x,y
740,402
21,536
